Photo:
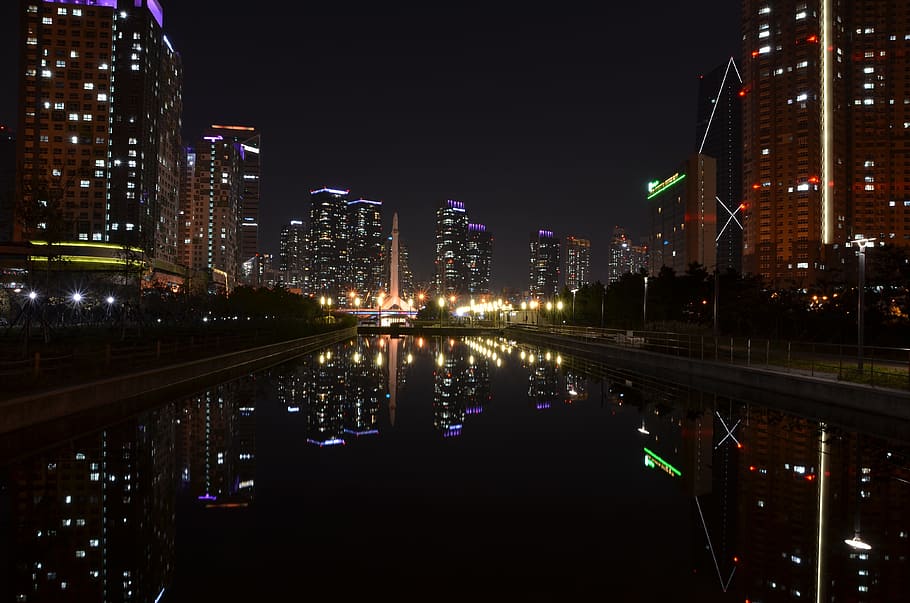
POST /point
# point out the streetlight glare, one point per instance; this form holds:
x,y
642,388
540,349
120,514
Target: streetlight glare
x,y
77,297
110,299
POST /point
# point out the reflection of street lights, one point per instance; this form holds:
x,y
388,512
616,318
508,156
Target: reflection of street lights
x,y
574,291
861,242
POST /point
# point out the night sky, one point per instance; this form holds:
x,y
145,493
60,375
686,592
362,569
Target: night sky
x,y
532,119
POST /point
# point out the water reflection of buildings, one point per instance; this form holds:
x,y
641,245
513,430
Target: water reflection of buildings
x,y
576,387
448,388
543,381
805,488
341,389
94,518
216,447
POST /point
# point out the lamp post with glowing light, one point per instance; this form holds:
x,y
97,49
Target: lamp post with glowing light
x,y
861,243
441,302
559,306
644,305
574,291
379,300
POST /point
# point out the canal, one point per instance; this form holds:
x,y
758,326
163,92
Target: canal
x,y
440,469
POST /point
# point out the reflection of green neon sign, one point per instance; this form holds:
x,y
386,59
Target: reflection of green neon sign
x,y
653,461
655,189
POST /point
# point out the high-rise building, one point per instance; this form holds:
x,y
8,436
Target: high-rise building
x,y
825,133
479,259
620,255
248,140
7,182
451,247
328,253
578,262
99,162
683,216
292,246
364,248
211,186
719,135
544,264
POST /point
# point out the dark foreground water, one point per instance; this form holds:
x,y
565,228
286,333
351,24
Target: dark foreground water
x,y
428,470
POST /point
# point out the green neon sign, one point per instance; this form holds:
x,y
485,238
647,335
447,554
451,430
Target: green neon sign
x,y
654,461
655,189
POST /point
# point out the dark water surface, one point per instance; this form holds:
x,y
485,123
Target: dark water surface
x,y
429,470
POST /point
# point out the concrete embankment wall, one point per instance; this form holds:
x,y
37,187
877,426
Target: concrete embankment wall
x,y
776,388
142,389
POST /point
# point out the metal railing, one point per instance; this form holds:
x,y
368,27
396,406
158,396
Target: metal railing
x,y
885,367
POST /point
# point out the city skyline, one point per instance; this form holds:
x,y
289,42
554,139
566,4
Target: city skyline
x,y
551,124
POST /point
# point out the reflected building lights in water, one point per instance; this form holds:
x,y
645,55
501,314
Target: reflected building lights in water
x,y
775,497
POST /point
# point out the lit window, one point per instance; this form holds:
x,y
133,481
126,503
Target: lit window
x,y
47,21
102,97
764,50
61,11
83,184
88,86
77,12
801,15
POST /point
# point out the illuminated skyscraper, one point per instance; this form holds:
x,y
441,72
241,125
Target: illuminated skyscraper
x,y
719,135
544,264
451,248
620,255
329,255
99,162
683,216
364,248
825,114
578,262
292,247
479,258
210,209
248,140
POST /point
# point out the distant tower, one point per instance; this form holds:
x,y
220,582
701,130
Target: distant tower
x,y
578,262
394,301
329,242
248,141
210,212
544,264
479,255
451,248
292,253
719,135
365,247
620,255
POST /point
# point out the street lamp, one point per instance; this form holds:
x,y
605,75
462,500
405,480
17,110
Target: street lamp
x,y
644,306
379,301
441,302
574,291
559,308
861,242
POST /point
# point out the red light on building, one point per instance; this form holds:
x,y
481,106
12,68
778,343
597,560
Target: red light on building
x,y
756,186
810,477
751,467
814,179
754,53
812,39
742,206
742,92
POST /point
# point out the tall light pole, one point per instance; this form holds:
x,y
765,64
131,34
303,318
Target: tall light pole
x,y
644,305
574,291
861,243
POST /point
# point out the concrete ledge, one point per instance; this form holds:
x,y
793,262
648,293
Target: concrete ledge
x,y
156,385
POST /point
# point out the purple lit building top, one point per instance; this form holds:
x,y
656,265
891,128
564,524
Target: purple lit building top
x,y
155,9
455,204
367,201
545,234
477,227
333,191
105,3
